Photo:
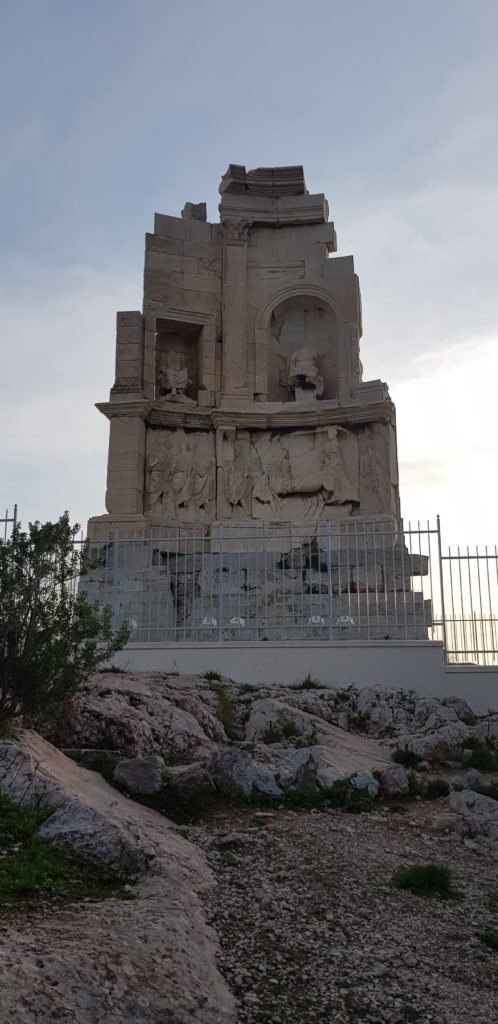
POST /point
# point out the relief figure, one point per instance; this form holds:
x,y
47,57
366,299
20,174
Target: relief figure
x,y
235,480
303,376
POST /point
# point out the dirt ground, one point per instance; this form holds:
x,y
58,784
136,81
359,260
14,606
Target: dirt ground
x,y
312,929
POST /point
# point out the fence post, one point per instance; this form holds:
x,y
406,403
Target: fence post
x,y
115,589
441,587
220,588
329,569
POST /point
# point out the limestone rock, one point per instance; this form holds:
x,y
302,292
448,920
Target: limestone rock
x,y
190,782
365,780
487,729
462,709
474,780
475,816
308,770
61,973
393,781
142,776
276,715
138,718
439,745
236,774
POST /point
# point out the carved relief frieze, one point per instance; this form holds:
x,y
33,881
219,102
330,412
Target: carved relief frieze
x,y
181,474
302,475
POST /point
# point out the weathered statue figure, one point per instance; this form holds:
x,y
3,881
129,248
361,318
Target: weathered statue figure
x,y
303,375
372,476
203,480
235,479
174,379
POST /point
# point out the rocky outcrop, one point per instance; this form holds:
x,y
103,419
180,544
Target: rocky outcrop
x,y
235,774
141,776
97,962
139,716
180,719
393,781
308,769
474,816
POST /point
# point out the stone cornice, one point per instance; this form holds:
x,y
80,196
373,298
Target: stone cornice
x,y
133,407
252,418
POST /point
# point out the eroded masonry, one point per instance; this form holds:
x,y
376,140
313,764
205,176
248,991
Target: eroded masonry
x,y
239,415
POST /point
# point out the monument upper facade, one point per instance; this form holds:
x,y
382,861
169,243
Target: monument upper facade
x,y
238,393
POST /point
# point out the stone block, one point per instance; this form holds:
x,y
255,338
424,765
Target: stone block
x,y
367,577
155,243
170,227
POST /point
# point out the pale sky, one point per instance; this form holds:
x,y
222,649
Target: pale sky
x,y
113,109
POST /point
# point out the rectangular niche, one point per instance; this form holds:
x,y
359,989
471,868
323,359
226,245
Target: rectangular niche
x,y
177,347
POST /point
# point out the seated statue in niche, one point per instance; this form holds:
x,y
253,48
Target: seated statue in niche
x,y
174,379
303,376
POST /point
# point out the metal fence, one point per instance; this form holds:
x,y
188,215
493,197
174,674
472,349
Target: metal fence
x,y
354,579
8,523
469,592
348,580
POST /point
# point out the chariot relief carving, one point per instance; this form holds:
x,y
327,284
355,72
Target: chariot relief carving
x,y
300,474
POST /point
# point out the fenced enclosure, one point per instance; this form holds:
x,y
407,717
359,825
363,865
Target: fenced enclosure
x,y
336,581
349,580
469,592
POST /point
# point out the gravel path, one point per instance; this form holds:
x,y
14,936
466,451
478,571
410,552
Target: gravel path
x,y
312,930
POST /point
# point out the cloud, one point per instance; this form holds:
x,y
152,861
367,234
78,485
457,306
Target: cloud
x,y
58,360
448,441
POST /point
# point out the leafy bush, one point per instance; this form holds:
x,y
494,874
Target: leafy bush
x,y
272,734
289,730
489,938
435,788
407,758
483,758
425,880
51,638
491,790
345,796
414,783
276,733
211,676
308,684
225,710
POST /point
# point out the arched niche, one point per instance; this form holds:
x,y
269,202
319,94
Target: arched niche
x,y
293,321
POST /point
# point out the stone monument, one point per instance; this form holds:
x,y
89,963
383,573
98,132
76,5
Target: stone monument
x,y
238,406
238,394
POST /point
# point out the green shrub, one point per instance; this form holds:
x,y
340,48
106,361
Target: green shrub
x,y
289,730
414,783
272,734
435,788
308,684
489,938
226,712
425,880
491,790
483,758
407,758
355,801
276,733
211,676
51,636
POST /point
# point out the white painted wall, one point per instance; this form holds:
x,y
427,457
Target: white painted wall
x,y
413,665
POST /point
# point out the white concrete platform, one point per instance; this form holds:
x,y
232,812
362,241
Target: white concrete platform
x,y
413,665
